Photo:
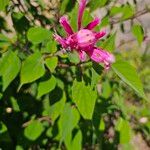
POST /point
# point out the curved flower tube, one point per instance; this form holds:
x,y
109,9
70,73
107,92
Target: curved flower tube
x,y
82,5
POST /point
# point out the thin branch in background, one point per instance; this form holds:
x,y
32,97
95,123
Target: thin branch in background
x,y
138,14
62,65
125,42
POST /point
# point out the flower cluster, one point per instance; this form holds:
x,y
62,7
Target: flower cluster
x,y
84,40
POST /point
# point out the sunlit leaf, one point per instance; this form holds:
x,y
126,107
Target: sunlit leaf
x,y
15,105
128,12
56,109
106,89
9,72
33,130
68,120
38,34
32,68
46,86
115,10
102,125
109,44
138,32
3,4
77,141
94,4
63,6
124,129
3,128
74,57
51,63
129,75
85,98
105,21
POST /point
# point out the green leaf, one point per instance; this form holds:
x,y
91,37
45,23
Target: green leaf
x,y
68,120
115,10
41,3
33,130
4,38
32,68
3,4
102,125
51,63
77,141
85,98
9,68
20,22
68,141
106,89
95,78
49,47
4,136
63,7
124,129
105,21
56,109
87,18
74,57
94,4
138,32
46,86
52,46
3,128
120,103
14,104
73,17
37,35
127,146
1,95
109,44
18,147
129,75
128,11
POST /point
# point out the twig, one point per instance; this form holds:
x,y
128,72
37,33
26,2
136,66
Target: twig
x,y
62,65
44,118
138,14
125,42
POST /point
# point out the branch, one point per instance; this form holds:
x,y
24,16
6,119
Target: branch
x,y
62,65
44,118
125,42
138,14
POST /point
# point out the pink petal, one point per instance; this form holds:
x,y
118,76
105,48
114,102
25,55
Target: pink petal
x,y
82,5
60,40
100,56
100,34
82,55
93,24
71,41
85,38
65,24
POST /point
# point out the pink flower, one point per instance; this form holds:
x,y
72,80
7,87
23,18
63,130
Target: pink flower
x,y
84,40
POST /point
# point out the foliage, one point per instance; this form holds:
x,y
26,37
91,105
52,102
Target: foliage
x,y
51,100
